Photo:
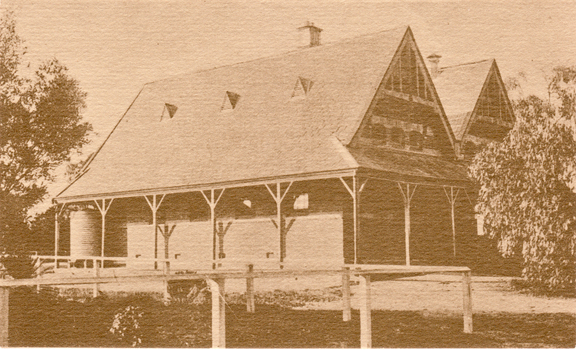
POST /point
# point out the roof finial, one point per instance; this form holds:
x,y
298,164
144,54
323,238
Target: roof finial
x,y
314,33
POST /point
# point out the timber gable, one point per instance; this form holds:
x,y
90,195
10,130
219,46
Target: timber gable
x,y
405,112
492,117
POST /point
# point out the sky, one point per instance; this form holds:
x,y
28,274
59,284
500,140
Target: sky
x,y
114,47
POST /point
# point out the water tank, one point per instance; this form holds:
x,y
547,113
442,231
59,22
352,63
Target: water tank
x,y
85,233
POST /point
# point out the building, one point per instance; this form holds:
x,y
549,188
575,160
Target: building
x,y
343,153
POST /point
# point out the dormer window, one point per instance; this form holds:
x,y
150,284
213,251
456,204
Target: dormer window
x,y
169,111
302,87
230,101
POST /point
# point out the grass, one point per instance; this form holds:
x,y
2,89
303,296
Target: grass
x,y
73,320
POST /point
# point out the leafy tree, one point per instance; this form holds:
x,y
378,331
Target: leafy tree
x,y
527,192
41,125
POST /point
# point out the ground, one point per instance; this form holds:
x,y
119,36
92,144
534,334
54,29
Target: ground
x,y
420,311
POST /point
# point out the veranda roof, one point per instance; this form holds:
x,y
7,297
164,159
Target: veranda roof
x,y
410,167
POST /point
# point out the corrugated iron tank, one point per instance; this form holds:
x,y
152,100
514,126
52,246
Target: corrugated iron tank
x,y
85,233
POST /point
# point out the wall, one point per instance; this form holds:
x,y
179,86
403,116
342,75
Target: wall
x,y
313,241
190,243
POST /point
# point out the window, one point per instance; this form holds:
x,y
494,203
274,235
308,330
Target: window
x,y
230,101
397,136
301,203
302,87
480,224
429,138
416,140
378,132
169,111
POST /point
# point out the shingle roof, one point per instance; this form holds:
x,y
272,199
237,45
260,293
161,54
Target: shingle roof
x,y
267,134
459,88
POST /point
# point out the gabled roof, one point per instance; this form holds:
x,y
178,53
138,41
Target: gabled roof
x,y
268,134
459,88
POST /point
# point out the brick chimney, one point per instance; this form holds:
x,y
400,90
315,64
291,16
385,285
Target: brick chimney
x,y
314,33
434,60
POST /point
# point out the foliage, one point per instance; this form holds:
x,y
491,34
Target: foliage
x,y
22,266
40,119
126,325
194,292
527,189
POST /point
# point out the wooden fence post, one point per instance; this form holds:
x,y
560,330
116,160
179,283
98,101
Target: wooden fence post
x,y
467,301
96,287
218,313
346,313
4,309
250,305
365,313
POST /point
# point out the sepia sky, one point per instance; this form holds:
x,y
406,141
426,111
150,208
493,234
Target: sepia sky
x,y
113,47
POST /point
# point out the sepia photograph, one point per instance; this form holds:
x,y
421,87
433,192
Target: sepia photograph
x,y
287,174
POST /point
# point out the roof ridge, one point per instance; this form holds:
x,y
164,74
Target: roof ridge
x,y
286,53
467,63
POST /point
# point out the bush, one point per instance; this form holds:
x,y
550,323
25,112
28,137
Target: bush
x,y
126,326
22,266
526,198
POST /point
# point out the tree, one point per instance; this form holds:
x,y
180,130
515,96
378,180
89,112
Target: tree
x,y
527,193
41,125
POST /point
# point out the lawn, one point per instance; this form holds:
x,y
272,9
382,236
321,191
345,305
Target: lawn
x,y
48,320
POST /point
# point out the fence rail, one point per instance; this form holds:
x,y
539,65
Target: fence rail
x,y
216,280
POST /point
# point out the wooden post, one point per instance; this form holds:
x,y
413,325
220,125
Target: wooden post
x,y
355,193
103,230
96,287
407,199
452,200
57,214
212,202
346,313
103,210
154,208
365,313
250,305
4,311
278,198
218,313
56,237
467,301
453,224
280,221
154,205
407,231
213,221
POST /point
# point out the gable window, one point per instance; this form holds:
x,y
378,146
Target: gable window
x,y
429,139
378,132
397,136
416,141
407,75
